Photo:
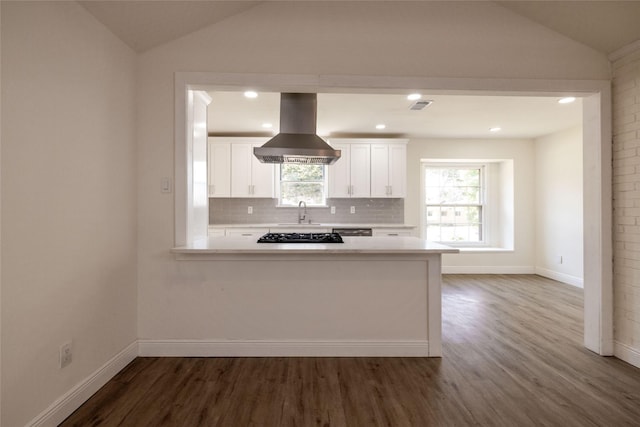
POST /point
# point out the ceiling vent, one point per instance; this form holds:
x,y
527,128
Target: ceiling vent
x,y
420,105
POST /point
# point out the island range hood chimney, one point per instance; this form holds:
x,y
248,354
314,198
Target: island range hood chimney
x,y
297,141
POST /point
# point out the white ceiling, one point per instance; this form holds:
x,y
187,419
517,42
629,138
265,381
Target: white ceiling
x,y
356,115
605,26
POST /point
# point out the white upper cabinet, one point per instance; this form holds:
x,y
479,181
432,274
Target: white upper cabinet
x,y
235,172
219,169
250,178
350,175
388,169
369,168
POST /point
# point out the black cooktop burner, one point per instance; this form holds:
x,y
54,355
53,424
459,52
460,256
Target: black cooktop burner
x,y
301,238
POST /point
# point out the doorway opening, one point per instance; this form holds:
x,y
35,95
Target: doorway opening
x,y
596,128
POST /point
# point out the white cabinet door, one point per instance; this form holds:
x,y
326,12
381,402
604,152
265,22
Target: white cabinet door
x,y
393,232
241,170
219,169
246,232
388,170
379,170
350,176
249,177
216,231
397,170
262,176
360,162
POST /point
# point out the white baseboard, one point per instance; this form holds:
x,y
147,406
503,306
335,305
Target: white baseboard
x,y
487,269
81,392
561,277
626,353
233,348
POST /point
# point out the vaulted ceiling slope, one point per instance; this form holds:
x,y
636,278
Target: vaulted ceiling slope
x,y
147,24
605,26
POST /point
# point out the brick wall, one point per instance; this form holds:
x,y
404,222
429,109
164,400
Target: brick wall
x,y
626,205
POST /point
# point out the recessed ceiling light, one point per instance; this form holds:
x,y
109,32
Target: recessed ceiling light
x,y
414,96
251,94
267,125
495,129
566,100
381,126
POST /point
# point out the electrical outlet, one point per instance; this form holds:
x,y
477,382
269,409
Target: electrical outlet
x,y
250,210
333,210
353,209
66,354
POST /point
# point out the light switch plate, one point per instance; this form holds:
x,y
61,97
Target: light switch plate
x,y
165,186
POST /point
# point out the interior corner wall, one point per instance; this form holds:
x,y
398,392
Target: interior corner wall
x,y
558,206
68,202
626,204
0,220
520,151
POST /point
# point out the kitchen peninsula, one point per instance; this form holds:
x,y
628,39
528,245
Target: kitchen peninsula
x,y
373,296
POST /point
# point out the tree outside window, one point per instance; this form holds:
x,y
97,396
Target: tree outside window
x,y
302,183
454,203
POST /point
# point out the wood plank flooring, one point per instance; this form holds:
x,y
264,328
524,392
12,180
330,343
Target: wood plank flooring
x,y
513,356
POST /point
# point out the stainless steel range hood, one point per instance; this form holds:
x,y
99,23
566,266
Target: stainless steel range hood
x,y
297,141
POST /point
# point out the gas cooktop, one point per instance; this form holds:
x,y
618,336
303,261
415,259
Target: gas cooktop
x,y
301,238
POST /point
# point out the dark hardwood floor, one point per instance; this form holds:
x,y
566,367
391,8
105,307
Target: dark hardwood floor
x,y
513,356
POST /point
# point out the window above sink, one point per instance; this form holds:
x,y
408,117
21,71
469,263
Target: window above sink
x,y
296,182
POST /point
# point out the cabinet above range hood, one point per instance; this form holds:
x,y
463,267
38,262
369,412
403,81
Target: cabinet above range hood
x,y
297,141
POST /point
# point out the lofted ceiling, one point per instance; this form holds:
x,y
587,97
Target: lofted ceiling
x,y
605,26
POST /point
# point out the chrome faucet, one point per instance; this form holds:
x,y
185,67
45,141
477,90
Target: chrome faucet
x,y
302,216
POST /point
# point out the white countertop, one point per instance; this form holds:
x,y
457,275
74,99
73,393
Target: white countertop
x,y
324,224
351,245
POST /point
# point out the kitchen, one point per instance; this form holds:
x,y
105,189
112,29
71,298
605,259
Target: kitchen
x,y
221,185
400,315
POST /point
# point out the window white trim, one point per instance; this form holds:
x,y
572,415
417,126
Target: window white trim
x,y
324,189
485,204
499,215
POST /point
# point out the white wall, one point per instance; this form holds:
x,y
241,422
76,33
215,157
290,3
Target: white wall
x,y
0,223
626,214
424,39
521,258
558,206
68,201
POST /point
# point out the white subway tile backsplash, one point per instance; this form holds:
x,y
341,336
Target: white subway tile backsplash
x,y
368,211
